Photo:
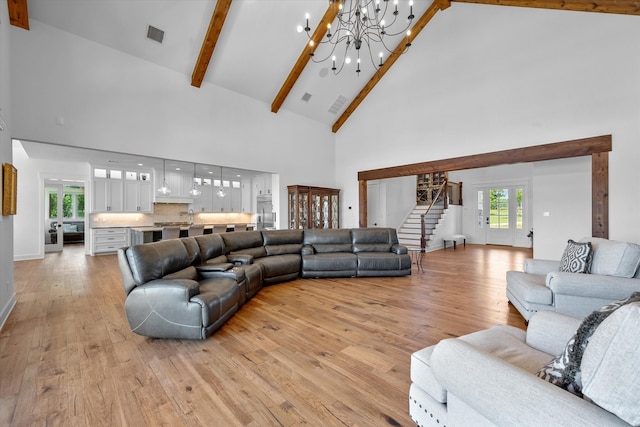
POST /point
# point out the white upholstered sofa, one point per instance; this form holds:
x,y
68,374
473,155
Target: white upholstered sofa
x,y
490,377
614,274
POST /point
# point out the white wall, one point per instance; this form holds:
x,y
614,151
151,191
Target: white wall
x,y
562,205
496,78
113,101
7,293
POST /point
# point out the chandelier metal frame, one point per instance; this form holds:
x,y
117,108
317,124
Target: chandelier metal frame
x,y
361,25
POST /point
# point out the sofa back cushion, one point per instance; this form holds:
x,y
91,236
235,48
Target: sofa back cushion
x,y
156,260
244,242
281,242
611,364
193,250
328,240
211,246
373,239
614,258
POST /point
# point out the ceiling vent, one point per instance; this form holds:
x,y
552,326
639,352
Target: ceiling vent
x,y
306,97
155,34
338,104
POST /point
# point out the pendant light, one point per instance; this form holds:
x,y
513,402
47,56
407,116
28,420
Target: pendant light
x,y
164,190
221,194
195,191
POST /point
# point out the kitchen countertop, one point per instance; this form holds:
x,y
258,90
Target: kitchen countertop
x,y
150,228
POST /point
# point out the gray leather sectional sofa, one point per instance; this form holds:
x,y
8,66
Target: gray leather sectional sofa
x,y
189,287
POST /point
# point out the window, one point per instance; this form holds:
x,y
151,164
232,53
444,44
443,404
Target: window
x,y
519,194
72,203
499,208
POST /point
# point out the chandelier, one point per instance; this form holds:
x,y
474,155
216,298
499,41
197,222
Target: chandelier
x,y
362,25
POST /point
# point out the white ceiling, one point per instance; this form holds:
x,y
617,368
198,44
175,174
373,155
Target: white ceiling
x,y
256,50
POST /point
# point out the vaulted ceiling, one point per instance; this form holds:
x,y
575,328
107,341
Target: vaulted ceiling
x,y
252,46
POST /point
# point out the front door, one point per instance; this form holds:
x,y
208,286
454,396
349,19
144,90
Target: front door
x,y
53,230
501,213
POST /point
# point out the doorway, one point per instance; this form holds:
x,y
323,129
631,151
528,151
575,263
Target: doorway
x,y
501,213
53,219
64,214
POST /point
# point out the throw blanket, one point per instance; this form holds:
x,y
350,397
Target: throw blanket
x,y
564,370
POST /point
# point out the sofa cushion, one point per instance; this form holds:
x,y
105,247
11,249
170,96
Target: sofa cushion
x,y
292,249
614,258
155,260
530,287
328,240
576,257
381,261
330,262
211,246
282,237
280,265
565,369
373,239
611,364
249,242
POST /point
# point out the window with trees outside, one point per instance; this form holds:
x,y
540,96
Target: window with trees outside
x,y
72,203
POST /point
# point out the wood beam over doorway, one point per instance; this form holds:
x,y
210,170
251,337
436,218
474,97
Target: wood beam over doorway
x,y
597,147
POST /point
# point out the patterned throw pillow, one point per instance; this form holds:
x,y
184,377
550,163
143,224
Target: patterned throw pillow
x,y
564,370
576,257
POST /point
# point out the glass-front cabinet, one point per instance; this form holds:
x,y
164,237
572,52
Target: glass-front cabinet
x,y
313,207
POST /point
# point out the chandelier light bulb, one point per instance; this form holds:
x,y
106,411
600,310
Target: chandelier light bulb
x,y
299,28
347,60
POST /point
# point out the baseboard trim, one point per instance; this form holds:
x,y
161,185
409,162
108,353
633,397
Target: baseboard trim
x,y
6,310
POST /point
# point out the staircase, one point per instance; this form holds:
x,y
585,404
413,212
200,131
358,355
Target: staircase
x,y
409,232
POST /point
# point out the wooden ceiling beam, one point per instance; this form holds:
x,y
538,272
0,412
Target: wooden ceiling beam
x,y
623,7
303,59
210,41
18,13
415,30
537,153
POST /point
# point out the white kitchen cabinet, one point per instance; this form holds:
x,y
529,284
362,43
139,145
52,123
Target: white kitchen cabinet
x,y
138,191
180,184
262,184
204,203
108,190
105,240
138,196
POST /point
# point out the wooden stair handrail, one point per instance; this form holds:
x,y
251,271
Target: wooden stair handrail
x,y
423,240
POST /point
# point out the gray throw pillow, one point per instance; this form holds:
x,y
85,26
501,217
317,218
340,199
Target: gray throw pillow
x,y
576,257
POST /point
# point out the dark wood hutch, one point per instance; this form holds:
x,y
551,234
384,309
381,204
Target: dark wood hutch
x,y
313,207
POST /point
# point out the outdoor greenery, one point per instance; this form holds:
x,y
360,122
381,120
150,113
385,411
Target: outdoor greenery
x,y
499,208
72,203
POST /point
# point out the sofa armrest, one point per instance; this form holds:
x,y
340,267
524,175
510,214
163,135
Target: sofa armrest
x,y
240,259
507,395
399,249
214,267
174,290
540,266
591,285
550,332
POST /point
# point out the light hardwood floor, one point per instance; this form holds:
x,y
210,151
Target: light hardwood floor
x,y
320,352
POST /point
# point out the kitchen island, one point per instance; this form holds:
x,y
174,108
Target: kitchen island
x,y
148,234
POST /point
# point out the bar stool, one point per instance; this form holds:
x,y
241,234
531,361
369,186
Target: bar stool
x,y
170,232
196,230
240,227
217,228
